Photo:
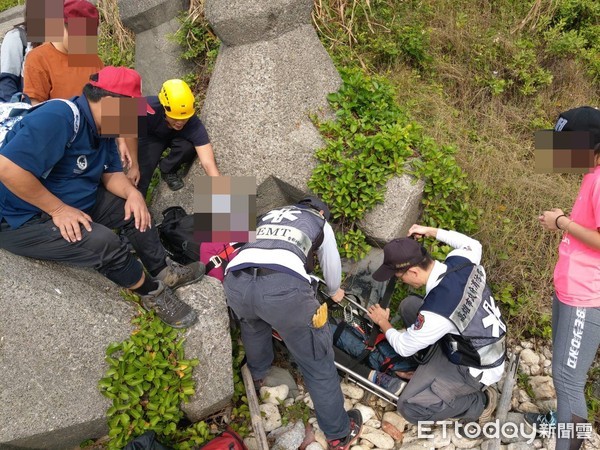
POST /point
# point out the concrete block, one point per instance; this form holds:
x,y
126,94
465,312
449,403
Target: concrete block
x,y
400,209
158,57
142,15
56,324
258,104
239,22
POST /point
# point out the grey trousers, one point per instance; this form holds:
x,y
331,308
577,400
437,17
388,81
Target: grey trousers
x,y
287,304
575,341
439,389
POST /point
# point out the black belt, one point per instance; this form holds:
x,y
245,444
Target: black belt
x,y
257,271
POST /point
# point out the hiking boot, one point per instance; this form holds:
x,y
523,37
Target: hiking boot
x,y
173,180
388,382
543,424
176,275
168,307
491,395
355,428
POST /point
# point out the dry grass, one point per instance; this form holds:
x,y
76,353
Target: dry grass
x,y
119,42
494,137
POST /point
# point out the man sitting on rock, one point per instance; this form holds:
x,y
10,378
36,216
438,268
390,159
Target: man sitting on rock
x,y
63,191
459,314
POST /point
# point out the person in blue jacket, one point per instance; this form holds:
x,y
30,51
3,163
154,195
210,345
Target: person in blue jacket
x,y
61,197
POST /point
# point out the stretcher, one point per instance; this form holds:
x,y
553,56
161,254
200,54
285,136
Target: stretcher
x,y
353,368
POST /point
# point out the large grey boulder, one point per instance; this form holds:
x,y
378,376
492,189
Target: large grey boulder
x,y
55,326
271,73
157,55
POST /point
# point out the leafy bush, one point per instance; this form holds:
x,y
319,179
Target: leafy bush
x,y
147,380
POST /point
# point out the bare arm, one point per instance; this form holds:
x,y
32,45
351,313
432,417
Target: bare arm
x,y
588,236
133,173
207,160
118,184
27,187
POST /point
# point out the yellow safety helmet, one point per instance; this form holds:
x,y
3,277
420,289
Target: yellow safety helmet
x,y
177,99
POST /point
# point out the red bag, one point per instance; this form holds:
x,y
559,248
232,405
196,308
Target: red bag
x,y
227,440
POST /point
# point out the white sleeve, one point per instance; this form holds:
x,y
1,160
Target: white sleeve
x,y
11,53
329,259
431,329
463,245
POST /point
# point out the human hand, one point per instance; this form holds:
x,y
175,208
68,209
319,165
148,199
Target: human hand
x,y
338,296
136,205
69,221
378,315
134,174
548,218
418,231
124,152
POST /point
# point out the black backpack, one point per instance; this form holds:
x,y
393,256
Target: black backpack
x,y
176,233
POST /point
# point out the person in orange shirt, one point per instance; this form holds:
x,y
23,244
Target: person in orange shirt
x,y
60,69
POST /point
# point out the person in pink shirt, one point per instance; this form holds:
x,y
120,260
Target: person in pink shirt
x,y
576,302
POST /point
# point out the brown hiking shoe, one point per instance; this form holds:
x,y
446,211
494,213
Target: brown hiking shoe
x,y
487,415
176,275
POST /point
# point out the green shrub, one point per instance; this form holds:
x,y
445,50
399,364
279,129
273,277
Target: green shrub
x,y
147,380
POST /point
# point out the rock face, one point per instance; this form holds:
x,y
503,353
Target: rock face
x,y
271,73
55,326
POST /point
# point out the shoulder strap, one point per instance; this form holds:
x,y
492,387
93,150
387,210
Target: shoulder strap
x,y
74,109
456,268
23,37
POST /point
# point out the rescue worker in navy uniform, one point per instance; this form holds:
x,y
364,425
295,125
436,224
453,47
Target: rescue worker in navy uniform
x,y
267,286
459,313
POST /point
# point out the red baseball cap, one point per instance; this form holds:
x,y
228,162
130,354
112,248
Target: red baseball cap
x,y
79,8
121,81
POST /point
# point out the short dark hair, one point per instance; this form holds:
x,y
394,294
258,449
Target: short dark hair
x,y
94,93
597,149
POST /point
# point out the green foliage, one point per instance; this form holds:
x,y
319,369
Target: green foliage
x,y
201,46
592,394
365,146
147,380
196,38
7,4
295,412
573,29
240,414
446,194
370,142
523,383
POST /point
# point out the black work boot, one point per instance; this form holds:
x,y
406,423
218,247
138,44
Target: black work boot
x,y
173,180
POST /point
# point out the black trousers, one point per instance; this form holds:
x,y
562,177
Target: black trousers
x,y
151,148
101,249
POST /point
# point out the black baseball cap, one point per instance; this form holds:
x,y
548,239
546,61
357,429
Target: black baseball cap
x,y
583,118
316,204
398,255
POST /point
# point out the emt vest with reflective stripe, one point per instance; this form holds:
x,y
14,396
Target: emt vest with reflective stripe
x,y
294,228
464,298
